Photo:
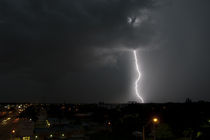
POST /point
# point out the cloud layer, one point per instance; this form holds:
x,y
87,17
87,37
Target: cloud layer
x,y
79,51
52,47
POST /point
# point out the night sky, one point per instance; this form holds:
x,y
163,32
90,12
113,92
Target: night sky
x,y
81,50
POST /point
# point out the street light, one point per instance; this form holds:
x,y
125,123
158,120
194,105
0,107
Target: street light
x,y
13,131
155,121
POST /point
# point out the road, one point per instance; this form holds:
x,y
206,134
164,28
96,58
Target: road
x,y
7,124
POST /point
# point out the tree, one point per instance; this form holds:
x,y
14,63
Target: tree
x,y
164,132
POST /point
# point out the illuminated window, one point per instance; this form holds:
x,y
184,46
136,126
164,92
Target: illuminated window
x,y
26,138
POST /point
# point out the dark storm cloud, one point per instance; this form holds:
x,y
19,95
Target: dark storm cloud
x,y
65,48
82,23
78,50
180,67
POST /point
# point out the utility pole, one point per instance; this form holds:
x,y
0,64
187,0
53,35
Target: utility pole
x,y
143,133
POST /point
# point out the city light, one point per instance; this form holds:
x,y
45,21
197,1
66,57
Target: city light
x,y
51,135
48,123
26,138
13,131
155,120
4,122
138,78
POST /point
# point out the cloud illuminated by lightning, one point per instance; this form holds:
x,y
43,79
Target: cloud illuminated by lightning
x,y
138,78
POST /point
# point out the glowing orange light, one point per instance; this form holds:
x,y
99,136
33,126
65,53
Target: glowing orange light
x,y
13,131
155,120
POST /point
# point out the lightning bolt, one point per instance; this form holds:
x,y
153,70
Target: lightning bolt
x,y
138,78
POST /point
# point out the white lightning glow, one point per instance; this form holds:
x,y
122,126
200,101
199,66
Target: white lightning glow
x,y
138,78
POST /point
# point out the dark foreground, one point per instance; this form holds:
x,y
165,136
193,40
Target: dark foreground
x,y
170,121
